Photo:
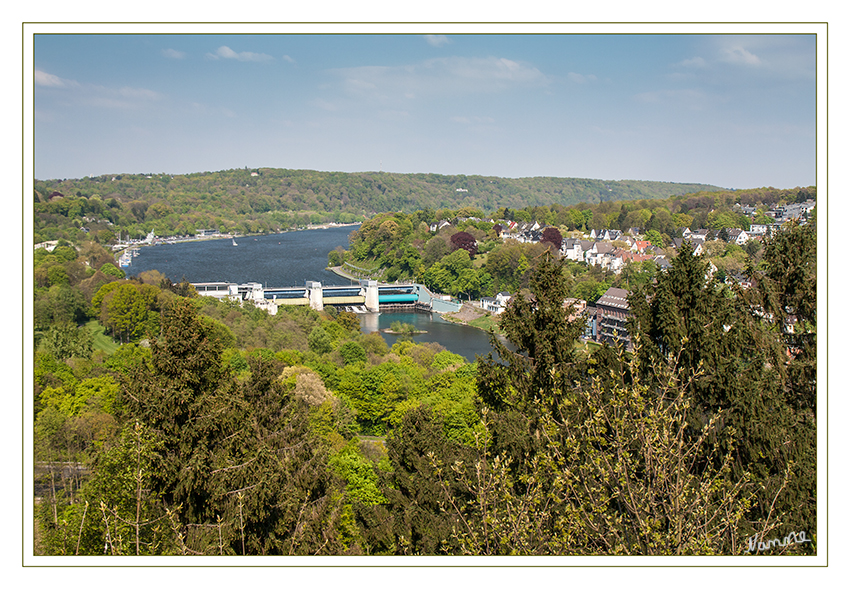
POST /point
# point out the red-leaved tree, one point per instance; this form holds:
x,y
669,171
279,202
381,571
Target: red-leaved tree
x,y
553,236
463,240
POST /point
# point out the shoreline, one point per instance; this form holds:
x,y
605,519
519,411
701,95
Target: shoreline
x,y
340,272
450,317
120,247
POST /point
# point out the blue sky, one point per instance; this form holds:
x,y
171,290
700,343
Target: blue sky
x,y
734,111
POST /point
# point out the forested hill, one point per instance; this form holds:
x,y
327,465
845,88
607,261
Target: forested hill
x,y
333,196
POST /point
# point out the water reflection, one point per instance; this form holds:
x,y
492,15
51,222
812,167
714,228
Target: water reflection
x,y
460,339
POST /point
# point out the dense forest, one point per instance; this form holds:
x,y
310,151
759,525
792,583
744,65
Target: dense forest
x,y
270,200
210,427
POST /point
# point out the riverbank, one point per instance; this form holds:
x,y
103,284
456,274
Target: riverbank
x,y
340,272
174,239
473,316
468,315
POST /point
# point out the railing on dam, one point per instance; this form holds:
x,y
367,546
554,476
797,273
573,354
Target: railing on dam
x,y
285,293
368,294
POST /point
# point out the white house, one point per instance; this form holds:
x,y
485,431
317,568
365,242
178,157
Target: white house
x,y
738,236
595,256
497,304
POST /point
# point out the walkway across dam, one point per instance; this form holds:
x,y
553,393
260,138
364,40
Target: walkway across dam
x,y
367,296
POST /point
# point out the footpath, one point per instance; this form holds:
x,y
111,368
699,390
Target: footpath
x,y
340,272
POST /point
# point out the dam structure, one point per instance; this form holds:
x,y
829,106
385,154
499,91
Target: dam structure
x,y
365,297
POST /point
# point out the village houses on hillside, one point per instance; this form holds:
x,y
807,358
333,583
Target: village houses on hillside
x,y
606,319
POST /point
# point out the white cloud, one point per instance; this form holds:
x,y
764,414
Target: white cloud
x,y
781,57
491,73
437,40
126,97
757,57
173,54
695,62
288,59
139,93
581,78
738,55
437,77
49,80
225,52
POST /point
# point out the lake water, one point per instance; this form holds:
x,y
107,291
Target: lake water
x,y
291,259
460,339
278,260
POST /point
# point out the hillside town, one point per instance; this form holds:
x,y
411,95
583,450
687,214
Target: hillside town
x,y
612,250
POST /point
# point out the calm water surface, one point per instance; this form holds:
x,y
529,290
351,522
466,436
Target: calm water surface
x,y
460,339
291,259
282,259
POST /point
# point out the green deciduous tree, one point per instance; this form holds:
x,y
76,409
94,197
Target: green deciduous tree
x,y
617,473
359,474
320,341
352,352
116,512
66,340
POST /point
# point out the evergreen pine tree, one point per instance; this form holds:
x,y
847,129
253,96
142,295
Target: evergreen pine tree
x,y
727,354
544,338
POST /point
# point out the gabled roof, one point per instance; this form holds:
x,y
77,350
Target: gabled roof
x,y
663,262
614,297
679,242
632,256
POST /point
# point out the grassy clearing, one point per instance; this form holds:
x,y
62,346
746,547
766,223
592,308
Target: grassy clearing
x,y
101,340
587,347
487,322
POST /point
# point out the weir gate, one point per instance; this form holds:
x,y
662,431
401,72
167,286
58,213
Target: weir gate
x,y
366,297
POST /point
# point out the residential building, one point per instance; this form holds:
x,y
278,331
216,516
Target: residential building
x,y
695,243
497,304
579,307
738,236
612,314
